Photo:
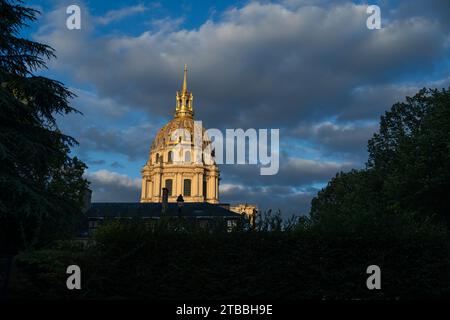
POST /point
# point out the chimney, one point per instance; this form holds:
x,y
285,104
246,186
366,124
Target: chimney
x,y
165,199
87,200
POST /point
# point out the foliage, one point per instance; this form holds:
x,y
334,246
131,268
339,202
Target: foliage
x,y
411,153
270,221
41,186
131,261
408,170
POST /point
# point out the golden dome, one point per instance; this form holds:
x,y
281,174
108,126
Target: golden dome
x,y
169,136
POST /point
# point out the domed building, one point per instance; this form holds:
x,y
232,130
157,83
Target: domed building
x,y
181,163
175,162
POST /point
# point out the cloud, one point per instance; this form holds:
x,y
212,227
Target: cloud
x,y
91,105
431,9
369,102
335,138
133,142
119,14
289,201
96,162
264,64
165,25
107,126
108,186
293,173
116,164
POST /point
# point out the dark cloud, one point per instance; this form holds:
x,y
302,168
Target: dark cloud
x,y
116,165
337,138
260,65
293,172
96,162
134,142
437,10
110,186
370,102
287,200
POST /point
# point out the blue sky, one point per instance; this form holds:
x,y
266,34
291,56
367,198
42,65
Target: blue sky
x,y
308,67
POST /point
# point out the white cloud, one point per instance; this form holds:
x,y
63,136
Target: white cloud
x,y
113,178
119,14
109,186
90,103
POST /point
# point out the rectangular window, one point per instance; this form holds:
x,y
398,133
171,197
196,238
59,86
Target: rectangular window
x,y
187,187
169,183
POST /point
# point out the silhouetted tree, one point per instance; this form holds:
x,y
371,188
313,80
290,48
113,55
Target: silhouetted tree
x,y
408,170
41,186
411,152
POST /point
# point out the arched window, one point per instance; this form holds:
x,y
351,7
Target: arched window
x,y
187,187
170,157
157,158
169,184
187,157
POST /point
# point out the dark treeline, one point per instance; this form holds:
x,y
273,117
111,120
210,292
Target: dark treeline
x,y
129,260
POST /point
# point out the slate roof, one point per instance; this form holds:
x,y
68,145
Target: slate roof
x,y
153,210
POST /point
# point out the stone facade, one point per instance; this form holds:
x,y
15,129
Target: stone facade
x,y
249,210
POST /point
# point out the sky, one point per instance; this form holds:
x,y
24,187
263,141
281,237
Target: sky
x,y
310,68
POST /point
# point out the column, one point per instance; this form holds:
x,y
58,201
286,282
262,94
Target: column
x,y
194,186
217,188
149,189
157,184
199,185
179,184
144,188
211,187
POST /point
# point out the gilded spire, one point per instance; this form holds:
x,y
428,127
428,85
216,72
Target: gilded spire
x,y
184,90
184,99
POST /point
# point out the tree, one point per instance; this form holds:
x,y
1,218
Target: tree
x,y
407,173
41,185
411,152
347,194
